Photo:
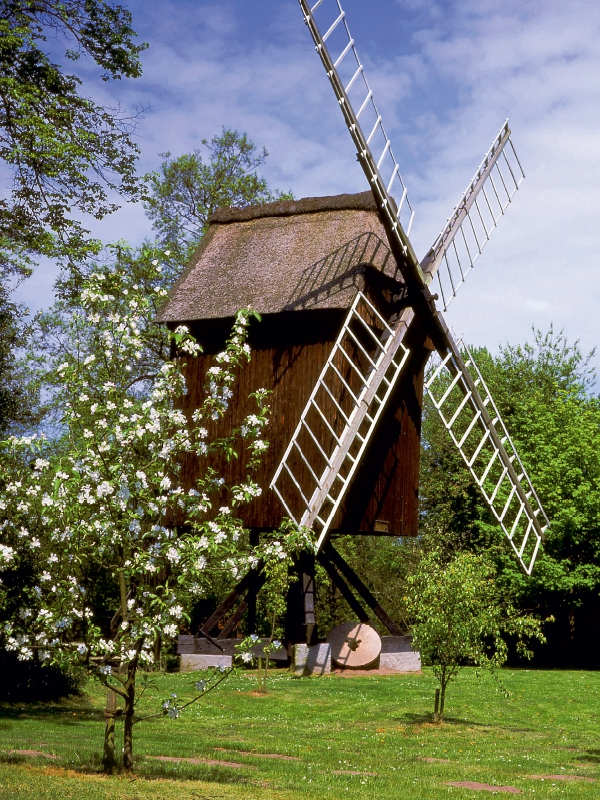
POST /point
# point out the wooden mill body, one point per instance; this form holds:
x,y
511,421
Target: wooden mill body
x,y
300,265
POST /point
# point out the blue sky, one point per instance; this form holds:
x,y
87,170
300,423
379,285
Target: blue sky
x,y
445,76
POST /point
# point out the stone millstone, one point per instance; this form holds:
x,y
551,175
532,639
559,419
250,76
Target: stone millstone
x,y
354,645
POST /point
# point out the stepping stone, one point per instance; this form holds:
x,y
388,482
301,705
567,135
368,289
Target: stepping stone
x,y
484,787
562,778
31,753
210,761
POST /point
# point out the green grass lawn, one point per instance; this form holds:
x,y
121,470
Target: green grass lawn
x,y
360,737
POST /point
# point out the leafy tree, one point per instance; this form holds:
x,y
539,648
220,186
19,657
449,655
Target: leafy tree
x,y
544,392
108,496
460,617
186,190
64,151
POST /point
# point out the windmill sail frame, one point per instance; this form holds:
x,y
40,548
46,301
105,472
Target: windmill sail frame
x,y
454,251
480,435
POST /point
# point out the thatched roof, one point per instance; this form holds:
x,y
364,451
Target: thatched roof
x,y
288,255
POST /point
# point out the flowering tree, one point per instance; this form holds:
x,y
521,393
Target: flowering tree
x,y
106,495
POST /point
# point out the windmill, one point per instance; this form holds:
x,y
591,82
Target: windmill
x,y
385,338
517,509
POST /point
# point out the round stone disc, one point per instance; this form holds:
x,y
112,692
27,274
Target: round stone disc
x,y
354,645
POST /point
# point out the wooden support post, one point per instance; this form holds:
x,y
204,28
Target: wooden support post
x,y
300,620
341,584
233,621
307,578
360,587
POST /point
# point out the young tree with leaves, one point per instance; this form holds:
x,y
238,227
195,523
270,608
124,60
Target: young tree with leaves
x,y
108,496
459,617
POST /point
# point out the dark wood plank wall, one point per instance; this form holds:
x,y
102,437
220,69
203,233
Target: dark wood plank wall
x,y
289,352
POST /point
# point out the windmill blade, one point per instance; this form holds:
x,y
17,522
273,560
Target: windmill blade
x,y
468,230
470,415
341,414
355,97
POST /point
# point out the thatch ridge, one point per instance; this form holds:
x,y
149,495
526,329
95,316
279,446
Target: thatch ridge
x,y
364,201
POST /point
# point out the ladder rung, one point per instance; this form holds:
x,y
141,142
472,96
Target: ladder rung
x,y
334,26
469,429
499,484
366,100
353,78
343,380
315,440
516,522
508,502
489,466
293,477
461,405
453,383
372,134
525,538
484,439
326,421
342,55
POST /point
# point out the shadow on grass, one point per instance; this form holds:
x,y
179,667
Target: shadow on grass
x,y
427,719
73,712
591,756
148,770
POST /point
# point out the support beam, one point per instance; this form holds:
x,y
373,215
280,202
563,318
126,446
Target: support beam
x,y
232,621
231,599
300,619
341,584
363,591
248,603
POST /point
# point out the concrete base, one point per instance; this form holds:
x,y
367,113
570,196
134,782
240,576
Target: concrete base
x,y
191,662
311,659
397,654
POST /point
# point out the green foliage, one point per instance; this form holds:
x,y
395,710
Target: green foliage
x,y
148,272
544,394
31,681
186,190
459,617
65,152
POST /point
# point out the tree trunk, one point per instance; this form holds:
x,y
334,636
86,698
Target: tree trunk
x,y
436,706
157,651
108,760
128,719
442,700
